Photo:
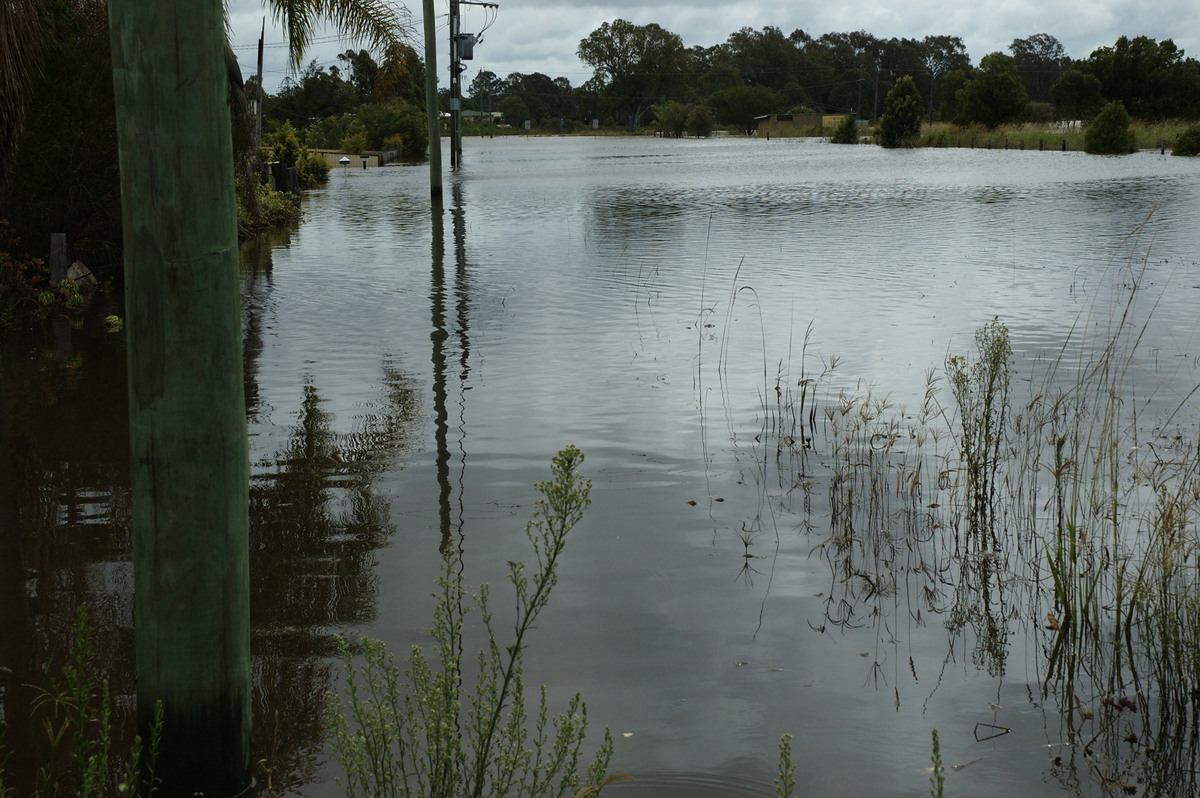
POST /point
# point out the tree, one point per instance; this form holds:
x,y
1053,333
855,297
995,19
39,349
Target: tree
x,y
1152,79
901,120
1188,142
672,118
943,55
1040,61
846,132
362,69
699,122
740,106
995,94
638,65
1077,94
1109,133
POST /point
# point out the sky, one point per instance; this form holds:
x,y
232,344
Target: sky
x,y
542,36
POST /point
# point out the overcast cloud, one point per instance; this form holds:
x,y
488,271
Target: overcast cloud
x,y
541,36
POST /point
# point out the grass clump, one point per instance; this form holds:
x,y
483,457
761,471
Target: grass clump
x,y
421,732
1188,141
80,755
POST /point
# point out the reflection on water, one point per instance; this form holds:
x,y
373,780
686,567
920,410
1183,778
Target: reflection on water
x,y
648,300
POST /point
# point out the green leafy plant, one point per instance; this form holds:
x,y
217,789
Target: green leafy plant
x,y
421,732
1188,142
846,132
937,774
981,390
901,121
1109,132
75,710
785,782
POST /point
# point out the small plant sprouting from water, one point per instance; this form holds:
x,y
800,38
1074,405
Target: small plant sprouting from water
x,y
75,710
785,782
937,774
981,391
420,733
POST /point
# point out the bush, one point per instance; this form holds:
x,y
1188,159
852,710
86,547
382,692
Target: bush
x,y
941,138
700,122
312,170
1109,133
901,120
1188,142
846,132
276,209
1040,113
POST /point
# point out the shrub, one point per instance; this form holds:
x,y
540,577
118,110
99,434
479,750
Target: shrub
x,y
699,122
276,209
940,138
901,120
846,132
312,170
1109,133
1188,142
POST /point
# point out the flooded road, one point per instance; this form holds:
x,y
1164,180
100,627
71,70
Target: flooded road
x,y
663,305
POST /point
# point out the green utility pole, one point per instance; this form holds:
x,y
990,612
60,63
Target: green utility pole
x,y
186,408
431,104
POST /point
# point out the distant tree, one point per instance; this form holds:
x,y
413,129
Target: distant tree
x,y
672,118
1109,133
1077,95
362,69
994,95
941,56
846,131
952,84
1188,142
740,106
699,121
638,65
901,120
1040,61
1151,78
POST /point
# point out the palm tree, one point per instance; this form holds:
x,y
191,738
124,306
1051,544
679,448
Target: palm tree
x,y
19,37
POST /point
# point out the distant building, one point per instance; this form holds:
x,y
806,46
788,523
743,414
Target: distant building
x,y
795,124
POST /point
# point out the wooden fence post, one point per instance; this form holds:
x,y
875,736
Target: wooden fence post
x,y
188,448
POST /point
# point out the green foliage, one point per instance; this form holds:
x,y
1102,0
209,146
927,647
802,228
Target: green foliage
x,y
1039,113
277,210
1188,142
1109,132
938,138
75,710
994,95
739,106
395,118
635,66
1151,78
981,390
284,143
699,121
1077,95
785,781
355,143
937,774
311,169
422,732
672,118
901,120
846,132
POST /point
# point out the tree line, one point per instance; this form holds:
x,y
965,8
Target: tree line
x,y
755,72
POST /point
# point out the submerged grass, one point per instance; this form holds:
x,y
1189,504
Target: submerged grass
x,y
1063,515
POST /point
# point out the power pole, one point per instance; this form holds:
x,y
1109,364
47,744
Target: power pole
x,y
188,448
432,117
262,95
456,70
462,48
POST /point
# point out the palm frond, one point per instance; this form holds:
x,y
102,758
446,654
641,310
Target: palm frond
x,y
377,24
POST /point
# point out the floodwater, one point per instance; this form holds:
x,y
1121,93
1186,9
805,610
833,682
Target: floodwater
x,y
409,376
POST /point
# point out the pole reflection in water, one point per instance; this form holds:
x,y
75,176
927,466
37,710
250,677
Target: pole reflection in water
x,y
440,335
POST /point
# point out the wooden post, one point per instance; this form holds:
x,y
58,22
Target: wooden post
x,y
432,118
187,432
58,256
